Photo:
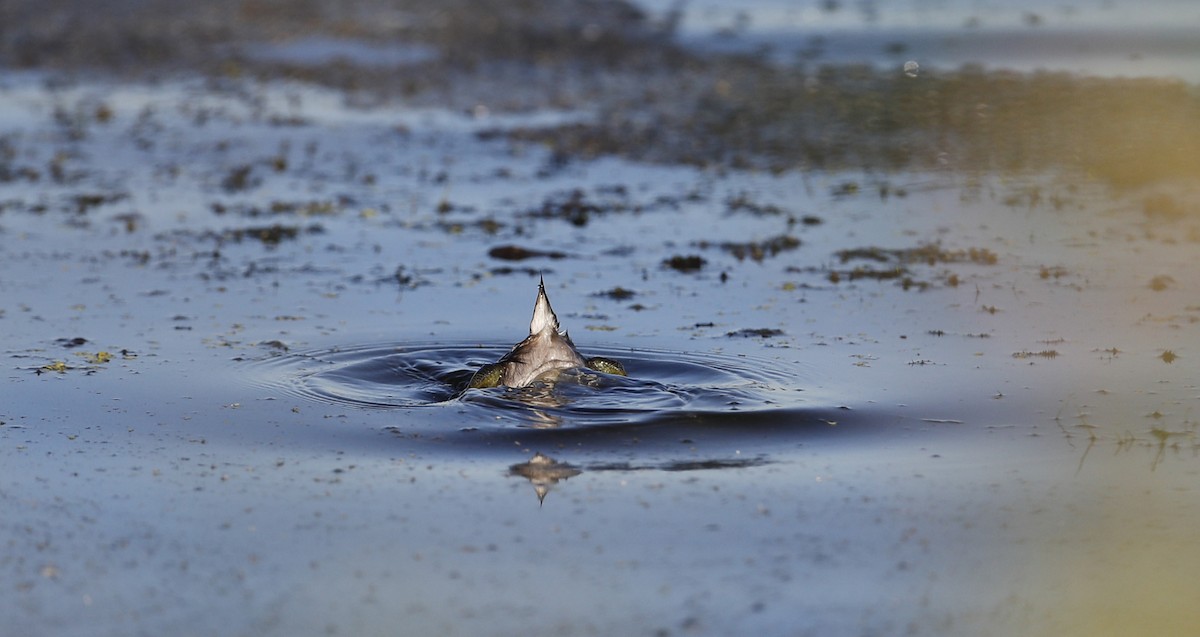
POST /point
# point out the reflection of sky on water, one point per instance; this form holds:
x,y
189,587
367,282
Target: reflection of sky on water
x,y
320,50
1101,38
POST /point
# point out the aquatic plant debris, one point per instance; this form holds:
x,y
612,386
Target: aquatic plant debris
x,y
518,253
760,332
618,294
759,250
1046,353
685,263
97,358
896,262
929,254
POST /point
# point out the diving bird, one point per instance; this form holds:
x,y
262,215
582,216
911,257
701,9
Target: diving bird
x,y
542,355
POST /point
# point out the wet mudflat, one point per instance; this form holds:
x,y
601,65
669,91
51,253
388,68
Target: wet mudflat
x,y
916,375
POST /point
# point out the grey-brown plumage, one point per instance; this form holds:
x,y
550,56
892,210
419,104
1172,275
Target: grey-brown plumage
x,y
544,353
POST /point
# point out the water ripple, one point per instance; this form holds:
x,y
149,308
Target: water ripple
x,y
662,386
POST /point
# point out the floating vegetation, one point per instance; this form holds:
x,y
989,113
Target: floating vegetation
x,y
269,235
518,253
941,333
98,358
760,332
867,272
743,203
900,259
1046,353
617,294
508,270
1168,357
92,359
685,263
930,254
758,250
310,208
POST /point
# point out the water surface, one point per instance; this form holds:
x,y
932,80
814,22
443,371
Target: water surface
x,y
951,394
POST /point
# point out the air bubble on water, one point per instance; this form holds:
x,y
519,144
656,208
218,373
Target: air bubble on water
x,y
911,68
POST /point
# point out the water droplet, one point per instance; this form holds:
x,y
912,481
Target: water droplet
x,y
911,68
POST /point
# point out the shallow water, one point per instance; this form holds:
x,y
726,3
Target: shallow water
x,y
239,316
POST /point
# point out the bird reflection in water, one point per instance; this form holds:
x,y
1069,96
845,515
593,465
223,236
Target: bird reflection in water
x,y
543,472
